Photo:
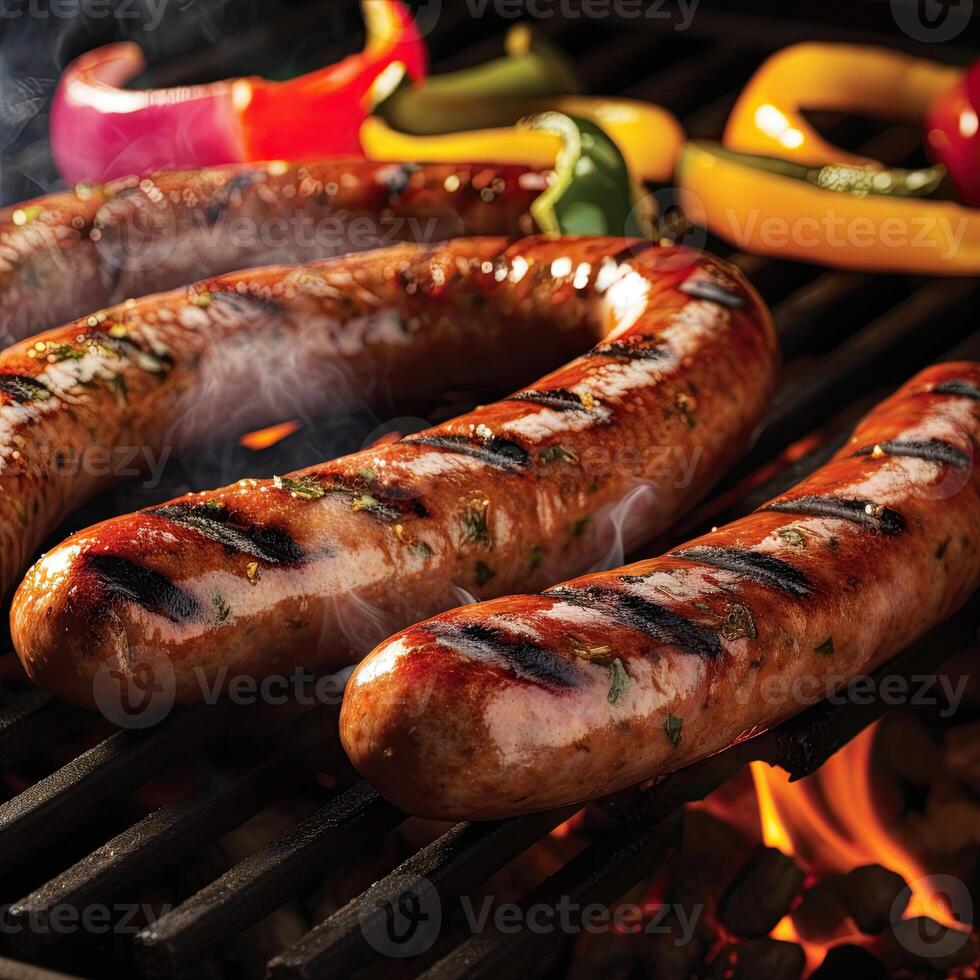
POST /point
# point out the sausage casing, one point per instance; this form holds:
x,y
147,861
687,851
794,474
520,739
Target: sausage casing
x,y
313,568
534,701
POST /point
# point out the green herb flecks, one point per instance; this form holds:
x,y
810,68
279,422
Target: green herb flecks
x,y
793,537
535,556
672,727
619,681
738,622
581,525
66,352
121,388
475,521
221,608
304,487
826,648
557,454
482,572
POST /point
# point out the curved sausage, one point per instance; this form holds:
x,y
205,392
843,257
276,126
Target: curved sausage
x,y
67,254
314,568
535,701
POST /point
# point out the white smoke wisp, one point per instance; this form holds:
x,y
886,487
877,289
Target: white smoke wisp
x,y
620,526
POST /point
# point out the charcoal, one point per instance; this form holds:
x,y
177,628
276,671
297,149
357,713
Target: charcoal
x,y
770,959
923,941
760,894
821,912
848,962
870,893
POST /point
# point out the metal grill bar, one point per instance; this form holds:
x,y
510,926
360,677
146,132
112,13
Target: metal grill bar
x,y
261,883
35,722
452,865
223,802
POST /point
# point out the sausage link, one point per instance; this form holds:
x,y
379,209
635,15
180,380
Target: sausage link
x,y
67,254
535,701
315,568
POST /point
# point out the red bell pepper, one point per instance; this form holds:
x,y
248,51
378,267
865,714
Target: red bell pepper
x,y
953,134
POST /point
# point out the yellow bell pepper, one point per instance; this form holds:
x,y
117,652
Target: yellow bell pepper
x,y
765,212
648,137
859,79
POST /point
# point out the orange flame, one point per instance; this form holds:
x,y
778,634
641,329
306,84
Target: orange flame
x,y
263,438
831,823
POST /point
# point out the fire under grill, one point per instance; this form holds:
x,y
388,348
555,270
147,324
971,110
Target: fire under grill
x,y
103,823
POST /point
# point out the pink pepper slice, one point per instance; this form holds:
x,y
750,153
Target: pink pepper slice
x,y
100,130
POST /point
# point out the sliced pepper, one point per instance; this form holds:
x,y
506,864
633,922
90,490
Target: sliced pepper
x,y
100,130
953,134
470,115
855,78
592,193
789,216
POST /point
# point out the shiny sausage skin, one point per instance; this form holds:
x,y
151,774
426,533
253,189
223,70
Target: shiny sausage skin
x,y
121,388
314,569
535,701
67,254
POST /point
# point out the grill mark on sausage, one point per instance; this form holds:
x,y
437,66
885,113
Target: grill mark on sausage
x,y
528,660
560,399
126,347
23,389
713,292
222,200
958,386
632,250
640,347
497,452
868,514
765,569
644,616
387,503
935,450
246,305
270,544
148,588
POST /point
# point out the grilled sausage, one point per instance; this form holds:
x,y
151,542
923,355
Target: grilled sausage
x,y
67,254
534,701
314,568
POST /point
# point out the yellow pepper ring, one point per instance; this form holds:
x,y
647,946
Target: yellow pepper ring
x,y
766,213
879,82
648,137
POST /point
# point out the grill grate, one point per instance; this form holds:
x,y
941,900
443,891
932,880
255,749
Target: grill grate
x,y
847,337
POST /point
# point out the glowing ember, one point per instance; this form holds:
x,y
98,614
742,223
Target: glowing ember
x,y
263,438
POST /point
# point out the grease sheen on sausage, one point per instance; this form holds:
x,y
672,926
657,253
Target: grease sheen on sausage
x,y
535,701
69,253
314,569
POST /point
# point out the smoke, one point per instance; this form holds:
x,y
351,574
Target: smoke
x,y
622,525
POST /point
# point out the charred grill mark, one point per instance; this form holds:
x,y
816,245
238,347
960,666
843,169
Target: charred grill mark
x,y
644,616
387,503
714,292
126,347
245,305
934,450
23,389
270,544
144,586
765,569
397,180
642,347
497,452
873,516
560,399
963,388
222,200
528,660
632,250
